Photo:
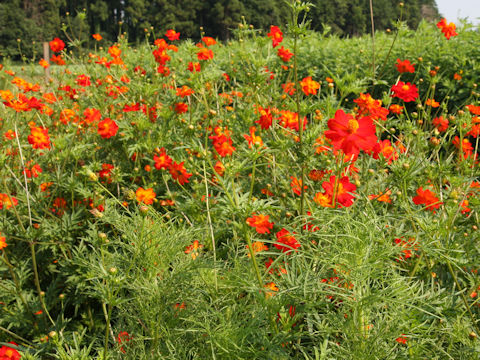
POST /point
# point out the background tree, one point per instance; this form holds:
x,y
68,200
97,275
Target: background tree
x,y
34,21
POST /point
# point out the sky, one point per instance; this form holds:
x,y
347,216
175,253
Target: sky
x,y
452,10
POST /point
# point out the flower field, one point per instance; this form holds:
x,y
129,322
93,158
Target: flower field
x,y
288,195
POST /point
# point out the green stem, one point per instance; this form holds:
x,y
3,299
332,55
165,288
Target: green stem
x,y
254,261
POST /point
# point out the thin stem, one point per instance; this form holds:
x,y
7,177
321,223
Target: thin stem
x,y
373,40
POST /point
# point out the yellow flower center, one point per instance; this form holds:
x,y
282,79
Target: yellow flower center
x,y
405,87
352,126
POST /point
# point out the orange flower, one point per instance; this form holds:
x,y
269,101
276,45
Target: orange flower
x,y
289,119
97,37
385,148
3,243
145,195
219,168
44,63
57,45
309,86
395,109
39,138
208,41
276,35
271,289
252,138
432,103
184,91
260,223
7,201
114,51
369,106
107,128
257,246
296,185
447,29
382,197
193,249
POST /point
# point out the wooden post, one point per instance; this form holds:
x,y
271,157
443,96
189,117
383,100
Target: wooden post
x,y
46,56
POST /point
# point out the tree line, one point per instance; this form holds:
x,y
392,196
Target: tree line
x,y
35,21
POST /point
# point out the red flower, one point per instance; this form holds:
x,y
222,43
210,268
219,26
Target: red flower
x,y
172,35
92,115
286,242
340,191
107,128
83,80
284,54
474,110
34,171
276,35
404,66
123,337
205,54
447,29
401,339
351,135
179,173
145,195
162,161
265,120
260,223
57,59
181,108
427,198
106,172
194,67
39,138
97,37
8,353
407,92
440,123
57,45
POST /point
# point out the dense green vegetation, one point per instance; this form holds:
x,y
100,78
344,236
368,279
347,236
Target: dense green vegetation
x,y
35,21
164,201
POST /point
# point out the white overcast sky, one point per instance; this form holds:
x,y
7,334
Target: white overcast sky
x,y
452,10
